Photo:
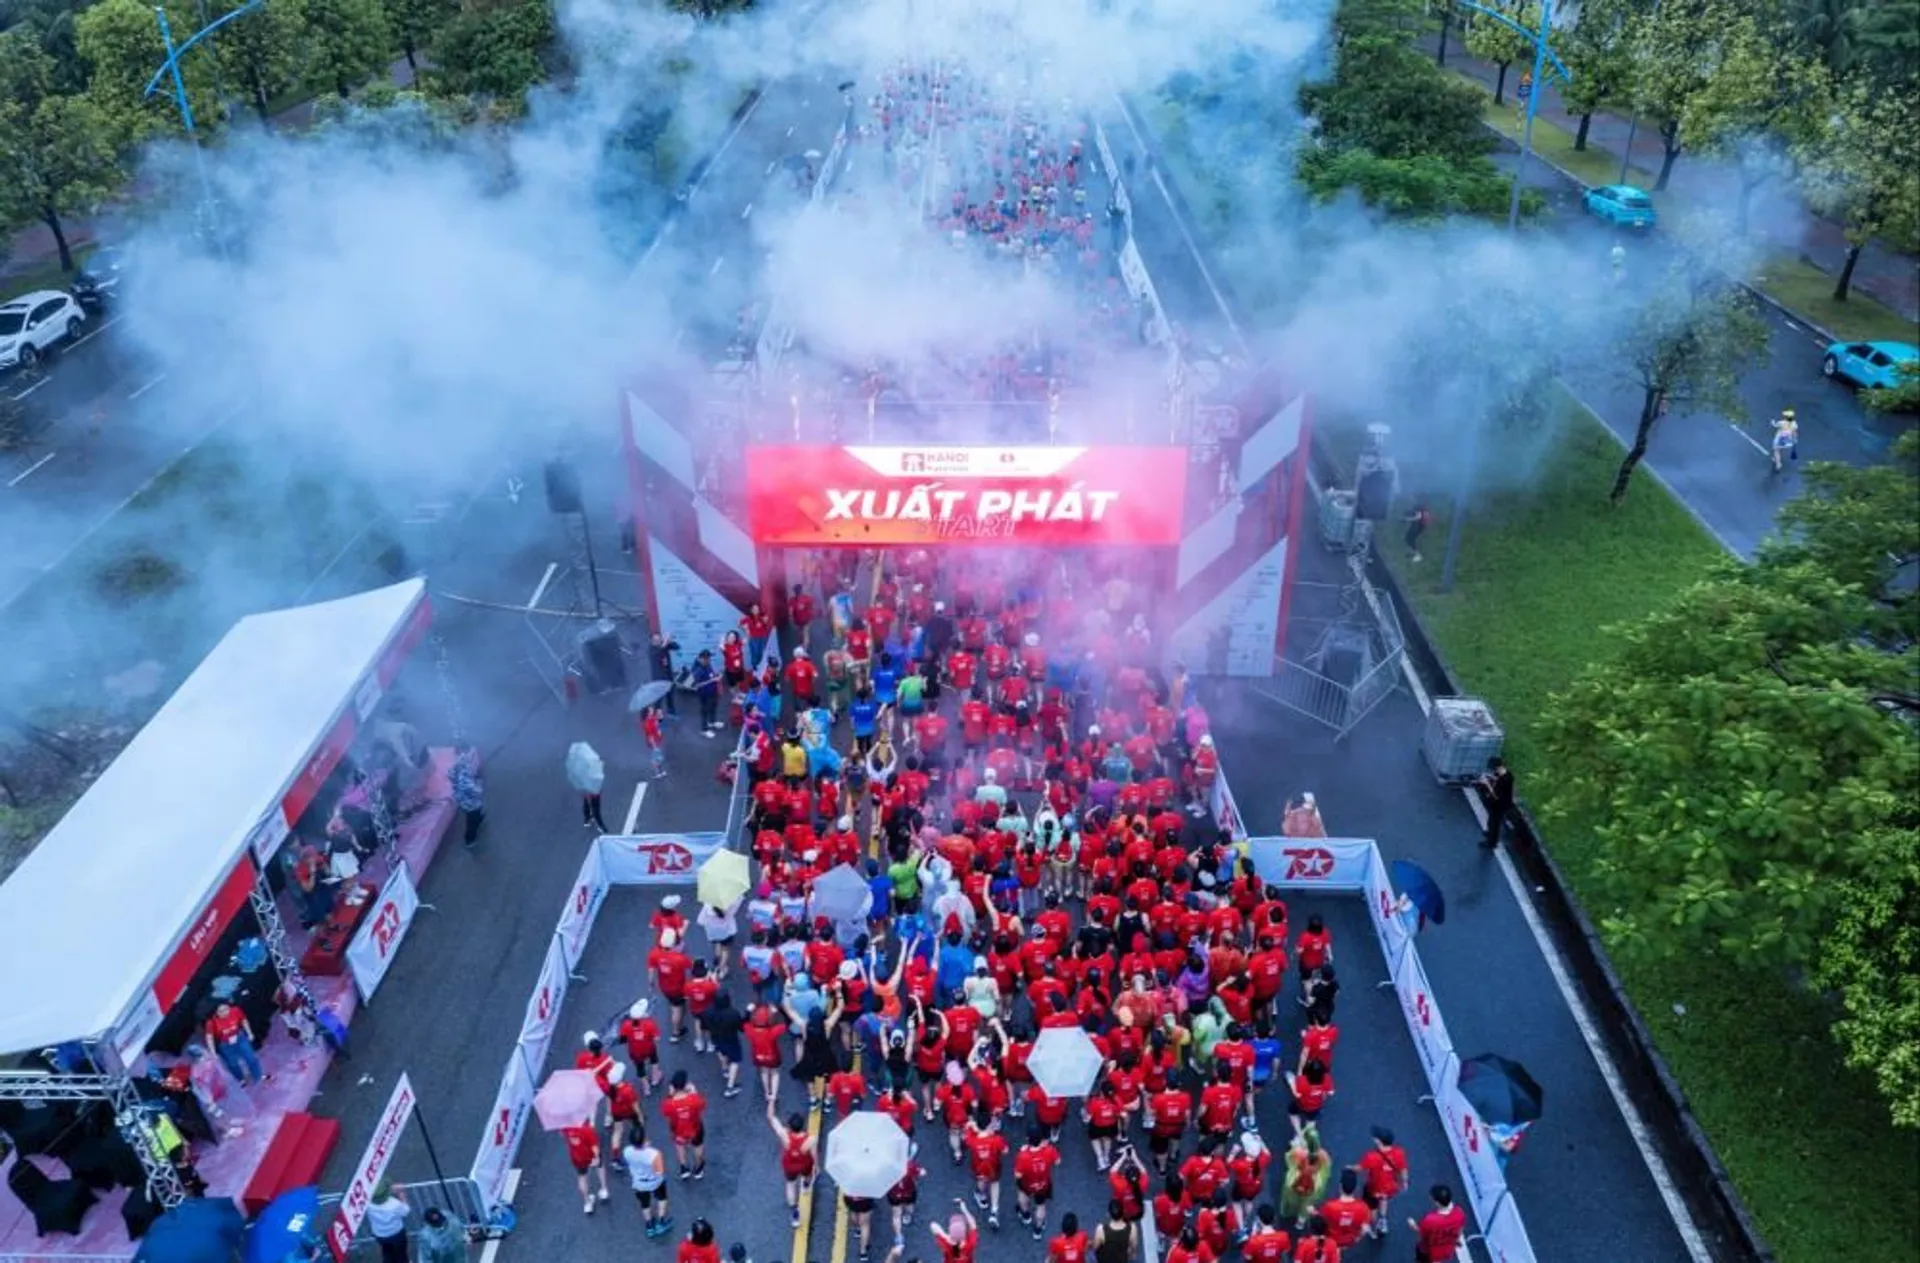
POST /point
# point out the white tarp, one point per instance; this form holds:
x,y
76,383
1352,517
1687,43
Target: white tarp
x,y
141,853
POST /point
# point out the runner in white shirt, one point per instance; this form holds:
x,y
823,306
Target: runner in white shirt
x,y
647,1173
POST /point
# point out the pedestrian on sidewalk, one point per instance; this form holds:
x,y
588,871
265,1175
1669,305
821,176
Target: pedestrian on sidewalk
x,y
1418,519
469,795
1496,790
587,773
660,654
706,687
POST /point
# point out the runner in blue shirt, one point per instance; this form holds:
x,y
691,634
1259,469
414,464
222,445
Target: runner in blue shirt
x,y
886,680
865,715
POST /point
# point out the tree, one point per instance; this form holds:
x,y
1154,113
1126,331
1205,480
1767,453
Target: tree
x,y
1871,959
1751,749
1418,188
1759,106
57,152
1495,41
51,24
1903,397
261,51
1680,51
347,43
416,22
493,54
1887,44
1686,348
1597,53
121,45
1446,8
1386,97
1859,170
1828,31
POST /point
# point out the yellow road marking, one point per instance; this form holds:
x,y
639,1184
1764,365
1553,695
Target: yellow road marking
x,y
805,1226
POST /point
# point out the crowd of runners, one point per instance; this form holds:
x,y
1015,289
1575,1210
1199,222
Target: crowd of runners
x,y
984,735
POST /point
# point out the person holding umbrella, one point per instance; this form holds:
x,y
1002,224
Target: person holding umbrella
x,y
587,773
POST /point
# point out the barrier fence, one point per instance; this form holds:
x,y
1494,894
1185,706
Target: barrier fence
x,y
458,1199
1325,865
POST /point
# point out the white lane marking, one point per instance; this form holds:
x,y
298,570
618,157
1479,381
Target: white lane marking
x,y
789,132
1636,1126
149,386
716,265
726,142
1752,442
96,331
29,390
747,211
27,473
633,808
772,165
540,589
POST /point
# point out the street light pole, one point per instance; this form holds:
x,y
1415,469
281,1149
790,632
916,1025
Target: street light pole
x,y
1533,108
170,69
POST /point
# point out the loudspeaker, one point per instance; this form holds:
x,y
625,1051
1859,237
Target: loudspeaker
x,y
1342,664
563,487
1373,496
603,664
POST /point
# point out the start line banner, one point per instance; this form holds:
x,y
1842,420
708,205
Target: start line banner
x,y
1338,864
378,940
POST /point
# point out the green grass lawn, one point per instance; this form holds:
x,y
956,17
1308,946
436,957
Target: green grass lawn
x,y
1542,571
44,275
1794,283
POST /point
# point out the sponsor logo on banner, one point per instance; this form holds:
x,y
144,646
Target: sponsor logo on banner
x,y
1226,813
583,905
1312,864
378,939
508,1123
543,1010
203,935
1382,906
656,859
1473,1148
373,1166
1417,1005
267,836
890,495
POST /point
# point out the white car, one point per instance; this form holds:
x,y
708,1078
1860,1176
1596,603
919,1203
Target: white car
x,y
33,322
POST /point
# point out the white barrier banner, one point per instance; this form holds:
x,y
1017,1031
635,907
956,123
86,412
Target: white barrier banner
x,y
583,905
1112,169
1312,863
1422,1012
1133,272
373,1165
1387,925
378,939
500,1142
1226,813
1473,1148
1506,1238
543,1010
656,859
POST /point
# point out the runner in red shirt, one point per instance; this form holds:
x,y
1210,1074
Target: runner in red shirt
x,y
880,618
699,1247
1189,1248
800,609
986,1153
1440,1229
859,653
1311,1088
686,1113
1033,1169
1314,948
583,1150
1169,1111
902,1196
1346,1216
1070,1244
961,667
802,679
701,990
642,1036
764,1032
959,1238
930,732
1269,1243
1103,1114
623,1109
797,1154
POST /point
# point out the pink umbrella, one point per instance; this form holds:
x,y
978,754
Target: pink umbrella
x,y
567,1099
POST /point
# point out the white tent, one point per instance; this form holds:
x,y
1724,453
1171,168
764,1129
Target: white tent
x,y
100,904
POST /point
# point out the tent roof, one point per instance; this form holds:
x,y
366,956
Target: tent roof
x,y
99,904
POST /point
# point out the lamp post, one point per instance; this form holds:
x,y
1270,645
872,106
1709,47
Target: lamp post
x,y
1541,55
170,69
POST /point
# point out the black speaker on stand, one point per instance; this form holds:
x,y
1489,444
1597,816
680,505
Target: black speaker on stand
x,y
603,661
563,487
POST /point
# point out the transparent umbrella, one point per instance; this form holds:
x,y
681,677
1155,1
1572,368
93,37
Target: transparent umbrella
x,y
867,1154
1065,1062
841,894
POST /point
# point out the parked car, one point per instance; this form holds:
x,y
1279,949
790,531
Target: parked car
x,y
98,282
1621,205
1869,363
32,323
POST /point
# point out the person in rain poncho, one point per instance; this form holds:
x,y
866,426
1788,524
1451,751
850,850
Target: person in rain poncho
x,y
441,1241
1303,1181
587,773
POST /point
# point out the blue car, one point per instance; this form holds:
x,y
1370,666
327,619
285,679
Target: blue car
x,y
1621,205
1869,363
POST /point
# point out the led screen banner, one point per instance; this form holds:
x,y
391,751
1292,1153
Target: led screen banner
x,y
1051,496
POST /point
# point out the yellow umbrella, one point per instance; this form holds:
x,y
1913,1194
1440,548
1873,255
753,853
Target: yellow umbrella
x,y
722,879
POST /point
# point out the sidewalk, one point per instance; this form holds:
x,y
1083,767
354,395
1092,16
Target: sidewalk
x,y
34,248
1883,274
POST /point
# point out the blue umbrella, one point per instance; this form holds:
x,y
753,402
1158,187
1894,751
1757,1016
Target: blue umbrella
x,y
1418,887
284,1229
198,1230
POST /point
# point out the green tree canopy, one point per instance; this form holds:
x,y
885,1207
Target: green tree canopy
x,y
1860,170
1680,50
1599,57
57,153
51,24
493,53
1685,349
121,45
415,23
1753,752
1495,41
260,53
347,43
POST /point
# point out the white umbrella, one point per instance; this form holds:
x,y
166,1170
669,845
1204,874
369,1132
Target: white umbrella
x,y
867,1154
841,894
1065,1062
585,770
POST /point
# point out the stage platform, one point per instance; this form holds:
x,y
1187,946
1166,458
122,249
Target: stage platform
x,y
296,1069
